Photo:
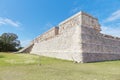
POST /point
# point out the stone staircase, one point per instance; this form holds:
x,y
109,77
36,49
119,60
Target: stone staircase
x,y
27,49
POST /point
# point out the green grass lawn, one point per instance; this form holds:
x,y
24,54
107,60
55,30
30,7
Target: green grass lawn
x,y
32,67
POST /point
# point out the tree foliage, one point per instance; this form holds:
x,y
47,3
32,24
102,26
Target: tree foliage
x,y
9,42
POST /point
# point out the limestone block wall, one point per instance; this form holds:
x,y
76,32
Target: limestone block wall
x,y
70,22
98,47
63,46
66,44
47,35
89,21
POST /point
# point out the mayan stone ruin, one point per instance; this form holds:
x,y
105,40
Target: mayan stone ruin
x,y
78,39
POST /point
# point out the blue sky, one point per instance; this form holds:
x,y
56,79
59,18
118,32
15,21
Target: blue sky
x,y
30,18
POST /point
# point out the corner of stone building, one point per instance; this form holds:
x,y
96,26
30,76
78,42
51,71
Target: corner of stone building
x,y
78,44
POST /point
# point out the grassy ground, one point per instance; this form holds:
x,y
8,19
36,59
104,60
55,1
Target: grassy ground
x,y
31,67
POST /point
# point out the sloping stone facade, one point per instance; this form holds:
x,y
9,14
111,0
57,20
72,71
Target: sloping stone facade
x,y
79,39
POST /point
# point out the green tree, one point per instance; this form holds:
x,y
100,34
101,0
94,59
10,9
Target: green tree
x,y
1,43
9,42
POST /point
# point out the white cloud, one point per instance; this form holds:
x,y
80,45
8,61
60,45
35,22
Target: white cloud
x,y
110,27
114,16
111,30
6,21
